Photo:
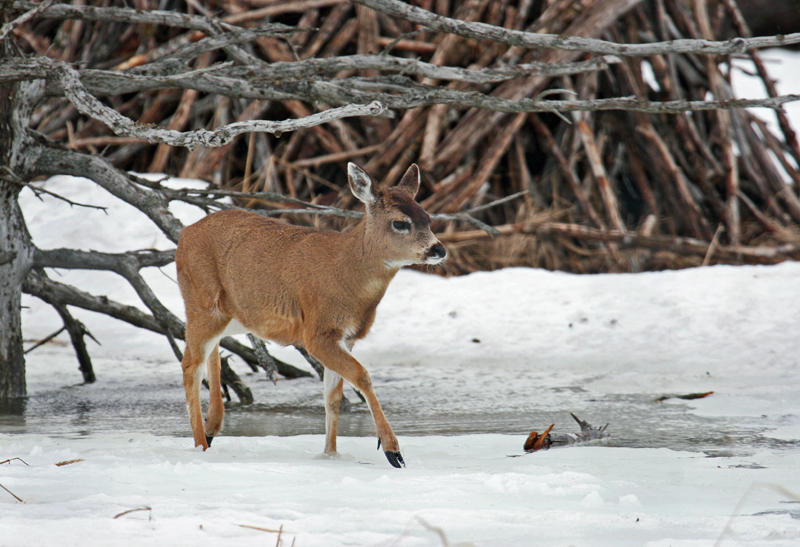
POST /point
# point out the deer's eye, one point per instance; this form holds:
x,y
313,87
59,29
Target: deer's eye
x,y
401,226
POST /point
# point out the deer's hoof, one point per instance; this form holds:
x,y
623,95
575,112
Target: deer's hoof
x,y
395,459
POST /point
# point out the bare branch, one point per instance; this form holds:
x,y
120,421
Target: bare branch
x,y
77,331
407,94
265,360
38,191
46,160
314,67
30,14
86,103
395,92
124,15
484,31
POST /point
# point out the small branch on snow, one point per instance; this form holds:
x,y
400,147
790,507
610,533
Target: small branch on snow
x,y
16,497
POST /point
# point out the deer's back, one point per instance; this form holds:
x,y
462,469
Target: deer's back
x,y
258,270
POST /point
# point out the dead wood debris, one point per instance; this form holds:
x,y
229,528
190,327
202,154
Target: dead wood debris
x,y
612,191
687,396
135,510
69,462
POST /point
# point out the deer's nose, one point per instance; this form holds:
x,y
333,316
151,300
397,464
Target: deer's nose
x,y
437,251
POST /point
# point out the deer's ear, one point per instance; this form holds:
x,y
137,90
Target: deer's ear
x,y
360,184
410,181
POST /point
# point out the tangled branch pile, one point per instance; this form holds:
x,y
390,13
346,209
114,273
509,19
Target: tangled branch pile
x,y
667,179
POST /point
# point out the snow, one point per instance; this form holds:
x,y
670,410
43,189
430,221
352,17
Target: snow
x,y
465,368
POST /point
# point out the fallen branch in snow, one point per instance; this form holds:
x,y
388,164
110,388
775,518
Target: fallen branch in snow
x,y
280,531
69,462
442,536
43,341
16,497
14,460
136,509
687,397
588,432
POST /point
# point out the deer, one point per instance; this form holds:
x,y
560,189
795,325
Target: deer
x,y
318,290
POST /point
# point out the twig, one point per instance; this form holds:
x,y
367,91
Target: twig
x,y
42,342
14,460
38,191
69,462
134,510
16,497
712,246
30,14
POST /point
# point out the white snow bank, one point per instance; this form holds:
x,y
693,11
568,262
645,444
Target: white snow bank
x,y
467,486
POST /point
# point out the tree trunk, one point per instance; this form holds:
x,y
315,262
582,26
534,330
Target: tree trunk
x,y
16,258
16,252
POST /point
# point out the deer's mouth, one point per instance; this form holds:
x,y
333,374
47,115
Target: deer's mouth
x,y
435,255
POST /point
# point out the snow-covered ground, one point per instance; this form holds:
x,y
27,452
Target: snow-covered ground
x,y
464,368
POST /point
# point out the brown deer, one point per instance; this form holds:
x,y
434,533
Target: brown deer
x,y
241,272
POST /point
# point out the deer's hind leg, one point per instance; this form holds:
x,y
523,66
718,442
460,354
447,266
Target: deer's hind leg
x,y
216,408
201,347
333,401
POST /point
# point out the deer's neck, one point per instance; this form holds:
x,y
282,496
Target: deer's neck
x,y
366,255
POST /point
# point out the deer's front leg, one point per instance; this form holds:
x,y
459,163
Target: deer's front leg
x,y
327,349
333,402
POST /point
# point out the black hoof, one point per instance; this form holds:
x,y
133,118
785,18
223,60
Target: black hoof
x,y
395,459
209,438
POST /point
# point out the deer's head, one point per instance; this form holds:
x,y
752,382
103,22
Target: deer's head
x,y
396,226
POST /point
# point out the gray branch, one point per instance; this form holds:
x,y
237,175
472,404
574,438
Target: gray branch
x,y
35,10
311,68
484,31
47,160
396,92
126,15
88,104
